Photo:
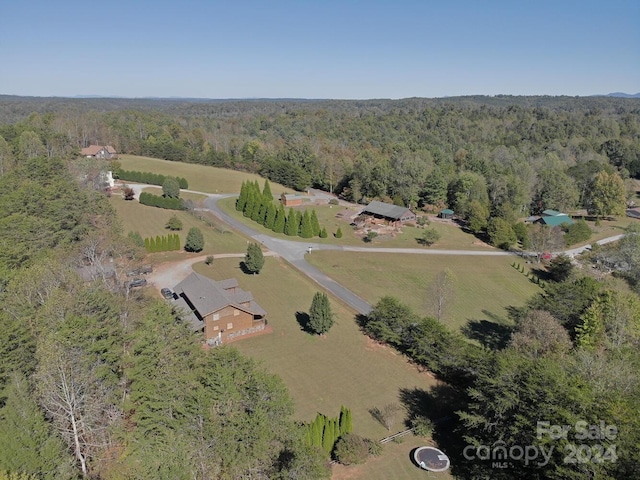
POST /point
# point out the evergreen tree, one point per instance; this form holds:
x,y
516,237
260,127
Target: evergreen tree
x,y
270,217
315,224
165,243
306,230
280,221
152,245
327,437
262,214
249,204
320,314
27,443
242,198
291,228
177,244
254,259
323,233
266,191
339,233
147,245
195,240
158,244
298,222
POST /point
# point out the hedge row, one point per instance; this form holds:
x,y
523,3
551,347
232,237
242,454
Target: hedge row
x,y
147,177
161,202
164,243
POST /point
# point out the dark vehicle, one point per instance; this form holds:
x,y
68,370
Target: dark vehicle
x,y
140,271
166,293
137,282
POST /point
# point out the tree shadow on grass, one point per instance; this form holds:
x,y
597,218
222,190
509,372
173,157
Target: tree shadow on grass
x,y
493,333
303,320
440,404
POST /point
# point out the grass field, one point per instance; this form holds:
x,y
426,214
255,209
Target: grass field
x,y
394,463
201,178
322,373
150,221
484,286
452,237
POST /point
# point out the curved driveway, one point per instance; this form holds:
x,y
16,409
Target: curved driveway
x,y
294,251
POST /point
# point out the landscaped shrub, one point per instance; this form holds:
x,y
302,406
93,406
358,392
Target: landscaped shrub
x,y
576,232
195,240
161,202
174,223
351,449
165,243
147,177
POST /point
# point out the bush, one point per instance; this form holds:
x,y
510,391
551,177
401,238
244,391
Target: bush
x,y
334,201
429,237
370,236
195,240
339,233
147,177
422,426
209,260
254,259
423,220
576,232
351,449
136,238
161,202
174,224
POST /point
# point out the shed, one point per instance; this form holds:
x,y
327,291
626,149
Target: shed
x,y
389,212
446,214
292,199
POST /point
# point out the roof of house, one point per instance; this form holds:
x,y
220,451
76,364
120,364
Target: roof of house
x,y
552,213
111,150
447,211
386,210
208,296
556,220
187,314
91,150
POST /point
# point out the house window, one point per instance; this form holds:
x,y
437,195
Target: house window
x,y
215,328
229,326
236,312
216,316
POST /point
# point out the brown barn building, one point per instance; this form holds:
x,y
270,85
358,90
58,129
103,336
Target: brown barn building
x,y
391,213
222,309
292,199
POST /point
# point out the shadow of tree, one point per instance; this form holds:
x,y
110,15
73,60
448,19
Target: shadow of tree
x,y
440,404
493,333
303,320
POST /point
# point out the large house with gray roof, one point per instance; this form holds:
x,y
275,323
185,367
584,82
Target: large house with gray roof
x,y
388,212
222,309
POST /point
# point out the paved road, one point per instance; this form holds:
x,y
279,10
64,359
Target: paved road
x,y
294,251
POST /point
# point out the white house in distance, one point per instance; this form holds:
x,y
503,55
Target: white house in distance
x,y
97,151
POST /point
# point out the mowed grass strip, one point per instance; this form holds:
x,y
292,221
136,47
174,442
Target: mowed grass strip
x,y
201,178
451,236
150,222
322,373
484,286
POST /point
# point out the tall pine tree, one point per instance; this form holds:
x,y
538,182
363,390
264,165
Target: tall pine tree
x,y
280,221
315,224
306,230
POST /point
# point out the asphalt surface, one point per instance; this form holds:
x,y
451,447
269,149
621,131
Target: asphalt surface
x,y
294,252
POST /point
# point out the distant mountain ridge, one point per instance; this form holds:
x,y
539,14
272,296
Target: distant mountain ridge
x,y
624,95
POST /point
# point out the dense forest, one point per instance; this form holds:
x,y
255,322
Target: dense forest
x,y
98,381
511,155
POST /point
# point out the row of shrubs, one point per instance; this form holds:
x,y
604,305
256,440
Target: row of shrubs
x,y
161,202
147,177
164,243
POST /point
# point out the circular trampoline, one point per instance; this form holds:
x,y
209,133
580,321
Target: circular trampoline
x,y
431,459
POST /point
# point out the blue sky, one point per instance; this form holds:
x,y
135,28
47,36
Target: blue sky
x,y
350,49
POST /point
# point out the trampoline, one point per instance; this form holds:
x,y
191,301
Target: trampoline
x,y
431,459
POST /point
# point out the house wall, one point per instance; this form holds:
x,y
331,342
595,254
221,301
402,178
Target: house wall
x,y
227,321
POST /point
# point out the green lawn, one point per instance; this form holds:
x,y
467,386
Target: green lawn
x,y
394,463
201,178
150,221
322,373
484,286
452,237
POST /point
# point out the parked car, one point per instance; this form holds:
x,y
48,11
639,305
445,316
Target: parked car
x,y
166,293
137,282
140,271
